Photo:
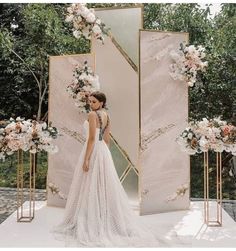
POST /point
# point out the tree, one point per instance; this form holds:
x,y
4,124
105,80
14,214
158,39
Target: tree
x,y
43,32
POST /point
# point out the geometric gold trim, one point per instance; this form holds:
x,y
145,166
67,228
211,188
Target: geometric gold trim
x,y
138,5
123,152
218,221
20,188
125,55
128,59
126,156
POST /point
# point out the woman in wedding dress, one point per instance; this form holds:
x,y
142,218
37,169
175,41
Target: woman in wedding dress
x,y
97,212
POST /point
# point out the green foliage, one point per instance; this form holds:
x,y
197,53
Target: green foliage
x,y
6,42
8,171
41,32
178,17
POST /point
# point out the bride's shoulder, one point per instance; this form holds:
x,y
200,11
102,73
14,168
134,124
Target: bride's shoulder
x,y
91,114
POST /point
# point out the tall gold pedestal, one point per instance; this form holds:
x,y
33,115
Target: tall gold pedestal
x,y
218,221
24,215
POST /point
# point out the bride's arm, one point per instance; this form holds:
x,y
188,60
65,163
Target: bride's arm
x,y
92,133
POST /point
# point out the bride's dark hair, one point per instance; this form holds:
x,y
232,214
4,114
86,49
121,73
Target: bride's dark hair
x,y
101,97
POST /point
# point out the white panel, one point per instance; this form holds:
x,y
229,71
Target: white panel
x,y
120,83
164,114
65,116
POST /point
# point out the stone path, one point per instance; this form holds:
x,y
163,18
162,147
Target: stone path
x,y
230,207
8,202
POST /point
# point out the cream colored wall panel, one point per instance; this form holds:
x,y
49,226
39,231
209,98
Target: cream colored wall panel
x,y
164,113
120,83
65,116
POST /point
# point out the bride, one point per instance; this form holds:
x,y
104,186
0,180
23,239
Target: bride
x,y
97,212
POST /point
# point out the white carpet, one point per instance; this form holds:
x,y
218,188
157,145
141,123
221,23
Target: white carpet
x,y
177,229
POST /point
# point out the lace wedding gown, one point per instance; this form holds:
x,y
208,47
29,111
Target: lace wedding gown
x,y
97,212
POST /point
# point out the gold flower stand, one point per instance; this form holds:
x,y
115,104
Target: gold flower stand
x,y
218,221
24,215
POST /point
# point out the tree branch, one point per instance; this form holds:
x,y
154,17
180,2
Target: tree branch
x,y
27,67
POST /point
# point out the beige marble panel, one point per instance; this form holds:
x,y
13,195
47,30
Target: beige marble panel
x,y
164,114
119,82
65,116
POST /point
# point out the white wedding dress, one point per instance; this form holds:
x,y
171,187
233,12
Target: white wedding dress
x,y
97,212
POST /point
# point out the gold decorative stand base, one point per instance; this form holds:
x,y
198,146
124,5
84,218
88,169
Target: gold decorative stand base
x,y
218,221
21,216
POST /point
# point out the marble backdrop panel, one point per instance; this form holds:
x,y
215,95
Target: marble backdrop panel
x,y
119,82
65,116
164,114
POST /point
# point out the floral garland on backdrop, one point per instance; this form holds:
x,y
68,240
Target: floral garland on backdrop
x,y
187,63
214,134
27,135
84,82
85,23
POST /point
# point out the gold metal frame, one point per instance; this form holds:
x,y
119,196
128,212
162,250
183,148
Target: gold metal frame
x,y
124,53
218,221
126,156
125,7
119,7
21,217
140,128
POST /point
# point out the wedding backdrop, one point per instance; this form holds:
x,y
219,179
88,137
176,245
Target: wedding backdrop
x,y
119,78
159,80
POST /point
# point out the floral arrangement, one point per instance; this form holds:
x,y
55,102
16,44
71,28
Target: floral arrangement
x,y
214,134
188,62
84,82
27,135
85,23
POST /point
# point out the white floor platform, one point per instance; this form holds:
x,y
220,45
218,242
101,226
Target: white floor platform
x,y
178,229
